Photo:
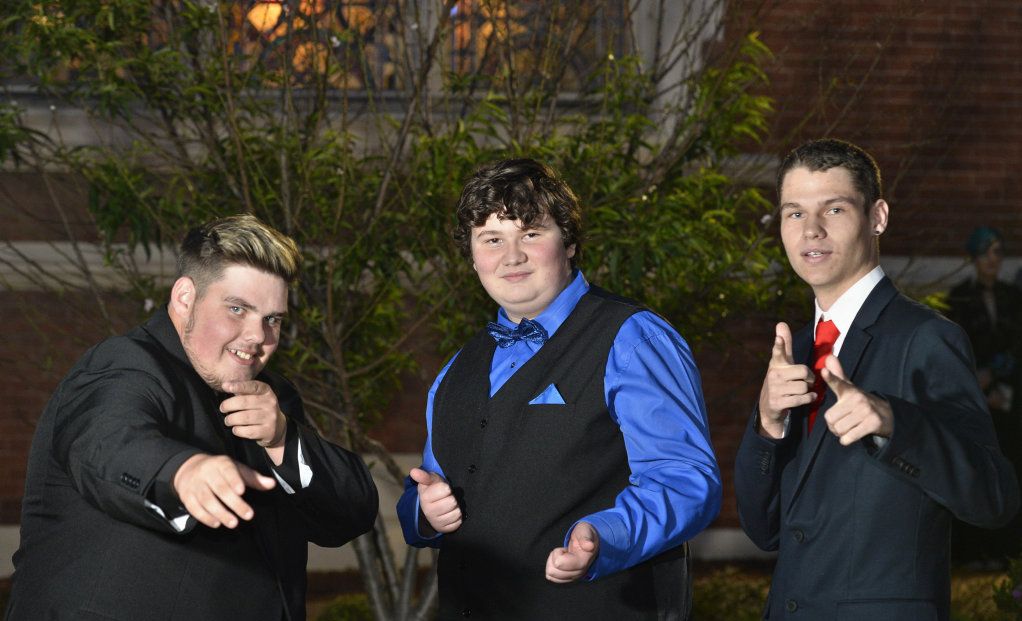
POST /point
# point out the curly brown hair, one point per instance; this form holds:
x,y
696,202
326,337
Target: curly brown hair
x,y
518,189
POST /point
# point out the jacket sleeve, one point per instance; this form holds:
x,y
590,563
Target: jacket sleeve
x,y
109,436
758,467
340,502
943,439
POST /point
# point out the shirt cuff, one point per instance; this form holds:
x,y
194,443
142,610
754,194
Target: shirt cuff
x,y
179,523
293,471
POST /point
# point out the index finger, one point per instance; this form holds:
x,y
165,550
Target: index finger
x,y
781,353
254,480
834,376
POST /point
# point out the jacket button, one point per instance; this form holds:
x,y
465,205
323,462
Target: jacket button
x,y
482,424
471,468
798,535
466,612
791,605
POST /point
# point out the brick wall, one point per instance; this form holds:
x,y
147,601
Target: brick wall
x,y
932,89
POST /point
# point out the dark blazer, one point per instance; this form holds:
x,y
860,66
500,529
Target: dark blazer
x,y
129,413
862,532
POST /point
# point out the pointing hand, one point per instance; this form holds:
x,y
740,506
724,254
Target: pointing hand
x,y
436,501
856,414
786,385
570,563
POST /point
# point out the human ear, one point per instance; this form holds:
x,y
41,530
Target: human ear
x,y
183,296
878,216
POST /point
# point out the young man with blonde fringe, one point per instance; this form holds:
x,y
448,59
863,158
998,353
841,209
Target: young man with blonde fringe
x,y
172,476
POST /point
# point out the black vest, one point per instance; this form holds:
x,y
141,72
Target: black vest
x,y
523,474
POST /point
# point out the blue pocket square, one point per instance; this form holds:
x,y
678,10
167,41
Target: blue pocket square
x,y
550,396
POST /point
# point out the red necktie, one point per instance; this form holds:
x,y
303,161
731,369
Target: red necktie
x,y
826,335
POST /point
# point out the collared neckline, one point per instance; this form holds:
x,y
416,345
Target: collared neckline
x,y
843,311
557,312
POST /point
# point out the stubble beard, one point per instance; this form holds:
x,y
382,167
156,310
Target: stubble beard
x,y
208,375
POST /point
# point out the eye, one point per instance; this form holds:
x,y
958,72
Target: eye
x,y
236,310
531,235
836,210
274,321
794,215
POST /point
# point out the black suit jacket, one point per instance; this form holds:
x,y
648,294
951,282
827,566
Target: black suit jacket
x,y
129,413
862,532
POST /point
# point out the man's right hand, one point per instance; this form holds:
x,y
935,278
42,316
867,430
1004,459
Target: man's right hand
x,y
211,488
437,501
786,385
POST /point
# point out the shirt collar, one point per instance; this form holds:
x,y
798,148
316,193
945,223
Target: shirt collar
x,y
554,315
844,310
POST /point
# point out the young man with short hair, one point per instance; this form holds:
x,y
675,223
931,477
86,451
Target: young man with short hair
x,y
856,490
172,476
568,456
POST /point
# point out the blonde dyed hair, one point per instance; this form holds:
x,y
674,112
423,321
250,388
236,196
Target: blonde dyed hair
x,y
209,249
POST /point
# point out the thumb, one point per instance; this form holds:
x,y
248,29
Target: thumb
x,y
423,477
781,353
834,375
255,480
583,536
244,387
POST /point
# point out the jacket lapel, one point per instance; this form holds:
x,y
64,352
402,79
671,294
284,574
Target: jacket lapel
x,y
852,350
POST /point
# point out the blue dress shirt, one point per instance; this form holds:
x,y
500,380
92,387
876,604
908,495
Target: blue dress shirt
x,y
653,392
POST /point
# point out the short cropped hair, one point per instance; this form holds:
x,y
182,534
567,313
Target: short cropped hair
x,y
209,249
518,189
826,153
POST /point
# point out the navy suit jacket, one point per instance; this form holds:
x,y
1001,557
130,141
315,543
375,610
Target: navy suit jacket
x,y
862,531
128,414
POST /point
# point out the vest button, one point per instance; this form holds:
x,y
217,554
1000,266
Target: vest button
x,y
791,605
466,612
482,424
471,468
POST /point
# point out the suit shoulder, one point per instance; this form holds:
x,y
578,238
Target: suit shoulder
x,y
913,316
133,350
134,356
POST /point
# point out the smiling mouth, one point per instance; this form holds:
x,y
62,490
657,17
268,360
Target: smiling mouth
x,y
242,354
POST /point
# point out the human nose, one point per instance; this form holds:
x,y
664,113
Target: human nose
x,y
813,228
253,331
514,254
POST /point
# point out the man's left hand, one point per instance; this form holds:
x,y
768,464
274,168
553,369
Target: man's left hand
x,y
856,414
572,562
253,413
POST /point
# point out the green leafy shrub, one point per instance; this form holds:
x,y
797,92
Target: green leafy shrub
x,y
1008,592
729,593
347,607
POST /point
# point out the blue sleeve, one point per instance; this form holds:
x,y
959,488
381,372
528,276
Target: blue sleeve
x,y
408,505
653,391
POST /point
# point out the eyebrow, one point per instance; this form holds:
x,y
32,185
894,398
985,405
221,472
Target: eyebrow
x,y
830,201
535,226
234,301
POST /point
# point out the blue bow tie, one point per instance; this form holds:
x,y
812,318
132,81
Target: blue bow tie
x,y
527,330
